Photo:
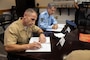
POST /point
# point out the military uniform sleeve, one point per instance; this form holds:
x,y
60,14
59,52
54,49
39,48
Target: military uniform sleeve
x,y
10,36
35,28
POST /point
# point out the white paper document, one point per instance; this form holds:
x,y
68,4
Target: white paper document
x,y
60,27
45,47
68,29
61,42
59,35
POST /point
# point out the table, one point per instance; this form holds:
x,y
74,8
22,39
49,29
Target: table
x,y
57,51
53,55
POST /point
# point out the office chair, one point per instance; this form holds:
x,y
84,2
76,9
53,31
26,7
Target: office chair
x,y
3,53
5,20
13,13
84,25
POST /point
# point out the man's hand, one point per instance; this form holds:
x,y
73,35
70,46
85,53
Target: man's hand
x,y
55,26
34,46
42,38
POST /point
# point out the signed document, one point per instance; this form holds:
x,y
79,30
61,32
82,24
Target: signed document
x,y
59,29
45,47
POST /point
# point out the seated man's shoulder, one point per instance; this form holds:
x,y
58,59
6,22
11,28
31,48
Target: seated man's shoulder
x,y
44,13
14,24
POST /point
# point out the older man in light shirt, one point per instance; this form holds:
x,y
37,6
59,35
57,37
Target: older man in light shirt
x,y
46,19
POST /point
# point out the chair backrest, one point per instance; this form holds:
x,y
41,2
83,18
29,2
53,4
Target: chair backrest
x,y
79,14
84,25
88,24
3,53
13,13
5,19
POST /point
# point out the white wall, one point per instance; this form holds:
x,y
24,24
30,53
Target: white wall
x,y
6,4
43,2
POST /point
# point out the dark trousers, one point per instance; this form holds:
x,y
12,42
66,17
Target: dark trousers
x,y
80,13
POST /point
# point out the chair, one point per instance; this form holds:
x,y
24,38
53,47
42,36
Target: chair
x,y
13,13
80,13
3,53
5,20
83,25
86,5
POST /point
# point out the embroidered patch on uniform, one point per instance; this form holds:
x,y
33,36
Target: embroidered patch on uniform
x,y
42,19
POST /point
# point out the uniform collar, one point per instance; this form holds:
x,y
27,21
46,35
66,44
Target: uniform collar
x,y
47,13
20,23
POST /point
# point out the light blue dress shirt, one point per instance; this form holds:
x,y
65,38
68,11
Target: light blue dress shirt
x,y
46,21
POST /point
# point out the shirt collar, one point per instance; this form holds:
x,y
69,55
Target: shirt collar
x,y
20,23
47,13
